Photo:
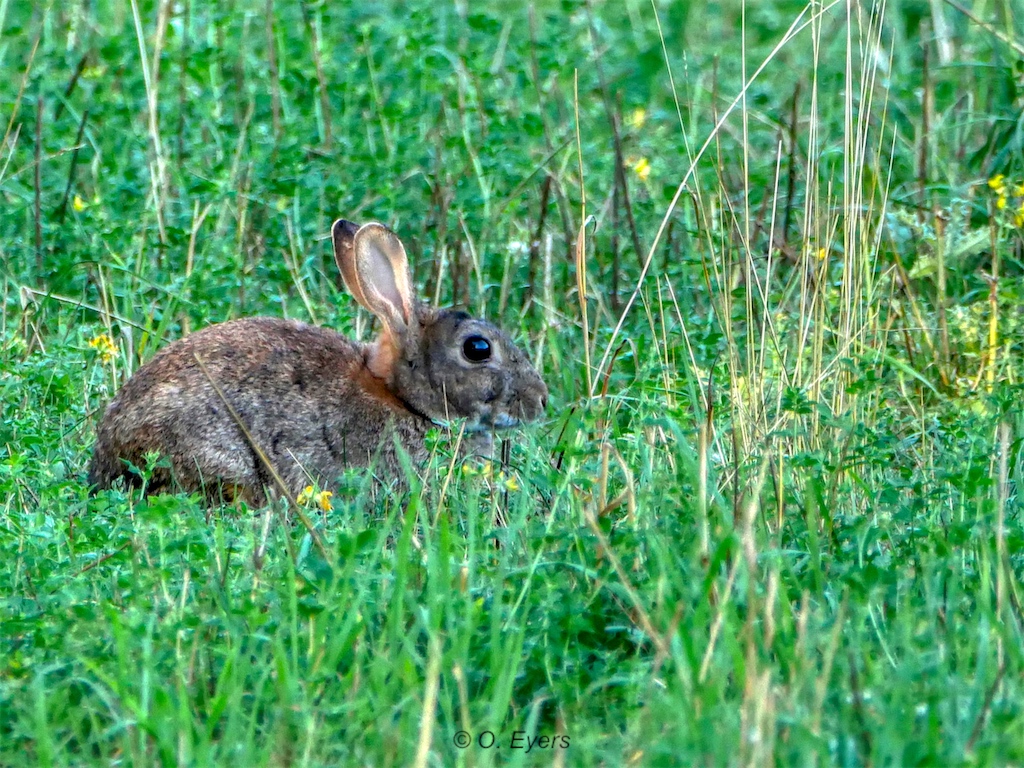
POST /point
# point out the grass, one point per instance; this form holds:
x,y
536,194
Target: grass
x,y
768,259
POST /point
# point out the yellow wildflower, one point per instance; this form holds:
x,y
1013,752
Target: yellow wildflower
x,y
998,183
484,469
642,168
1018,219
637,118
490,473
321,499
105,346
1001,202
822,253
78,204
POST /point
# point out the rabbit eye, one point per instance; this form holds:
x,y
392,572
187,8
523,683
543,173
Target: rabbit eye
x,y
477,349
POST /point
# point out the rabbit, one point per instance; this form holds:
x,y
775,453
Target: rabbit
x,y
312,400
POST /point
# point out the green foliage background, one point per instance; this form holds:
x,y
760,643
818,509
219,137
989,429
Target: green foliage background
x,y
777,523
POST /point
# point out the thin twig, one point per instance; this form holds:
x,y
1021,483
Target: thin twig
x,y
534,253
620,163
1018,47
37,208
641,612
157,168
71,171
990,696
581,245
321,80
278,480
21,89
101,560
275,76
59,109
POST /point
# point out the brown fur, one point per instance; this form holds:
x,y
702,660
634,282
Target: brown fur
x,y
314,401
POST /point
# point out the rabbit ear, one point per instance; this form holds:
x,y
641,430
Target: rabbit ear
x,y
381,271
343,234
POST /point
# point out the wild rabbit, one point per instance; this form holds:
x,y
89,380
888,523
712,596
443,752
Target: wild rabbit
x,y
311,400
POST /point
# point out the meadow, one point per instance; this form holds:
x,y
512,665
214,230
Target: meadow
x,y
768,259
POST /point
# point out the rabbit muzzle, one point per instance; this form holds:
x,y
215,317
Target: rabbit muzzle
x,y
517,402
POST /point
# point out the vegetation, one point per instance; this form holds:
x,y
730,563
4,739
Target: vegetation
x,y
768,259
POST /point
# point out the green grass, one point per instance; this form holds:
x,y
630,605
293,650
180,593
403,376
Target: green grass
x,y
773,516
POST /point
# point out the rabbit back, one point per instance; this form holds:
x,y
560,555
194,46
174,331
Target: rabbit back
x,y
303,393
